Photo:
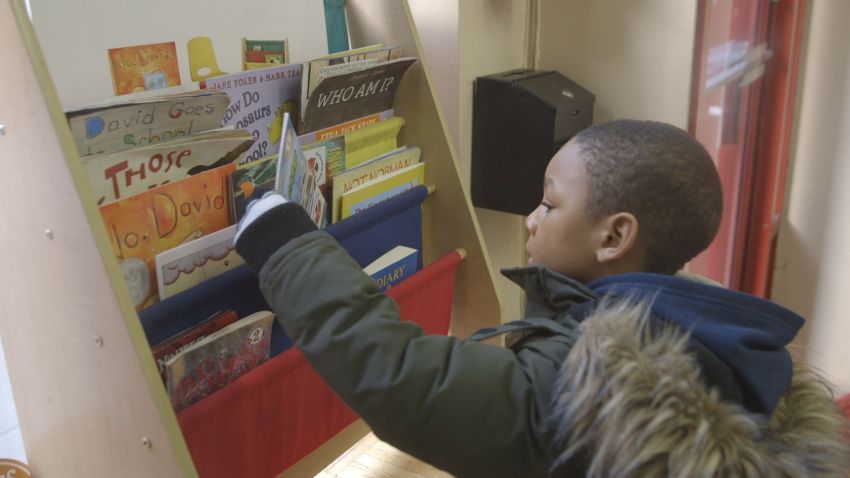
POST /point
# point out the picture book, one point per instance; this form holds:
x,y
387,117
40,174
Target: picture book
x,y
167,349
379,166
345,127
297,178
144,67
345,61
187,265
258,101
141,226
219,358
114,176
354,95
264,53
249,182
141,119
373,192
331,153
352,147
393,267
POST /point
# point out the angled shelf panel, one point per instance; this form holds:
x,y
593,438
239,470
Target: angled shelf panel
x,y
88,392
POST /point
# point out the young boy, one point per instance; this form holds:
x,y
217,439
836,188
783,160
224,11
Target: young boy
x,y
619,368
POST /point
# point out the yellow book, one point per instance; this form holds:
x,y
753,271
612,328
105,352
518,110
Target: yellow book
x,y
382,165
373,192
364,144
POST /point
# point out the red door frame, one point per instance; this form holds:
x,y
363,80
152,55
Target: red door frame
x,y
746,263
775,131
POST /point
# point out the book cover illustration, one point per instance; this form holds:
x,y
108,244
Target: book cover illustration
x,y
331,153
258,101
393,267
167,349
219,358
379,166
115,176
343,62
141,226
187,265
144,67
328,157
373,192
297,178
353,95
140,120
250,182
264,53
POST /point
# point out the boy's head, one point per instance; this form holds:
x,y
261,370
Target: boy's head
x,y
626,196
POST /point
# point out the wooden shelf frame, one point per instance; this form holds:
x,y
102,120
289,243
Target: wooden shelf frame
x,y
88,395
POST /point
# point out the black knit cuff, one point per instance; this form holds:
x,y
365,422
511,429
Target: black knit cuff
x,y
271,231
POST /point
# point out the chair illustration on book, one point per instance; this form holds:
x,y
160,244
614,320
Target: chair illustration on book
x,y
202,61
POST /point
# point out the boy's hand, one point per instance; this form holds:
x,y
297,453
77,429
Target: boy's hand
x,y
268,224
256,208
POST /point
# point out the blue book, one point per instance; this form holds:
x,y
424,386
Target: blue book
x,y
393,267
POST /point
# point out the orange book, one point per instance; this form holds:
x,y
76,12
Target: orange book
x,y
141,226
144,67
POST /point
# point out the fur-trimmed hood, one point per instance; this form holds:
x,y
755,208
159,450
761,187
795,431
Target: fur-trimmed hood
x,y
748,334
630,402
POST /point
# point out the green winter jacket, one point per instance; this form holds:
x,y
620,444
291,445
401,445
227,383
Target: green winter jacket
x,y
479,410
470,408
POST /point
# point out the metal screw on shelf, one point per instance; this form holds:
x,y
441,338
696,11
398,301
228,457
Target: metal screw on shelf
x,y
147,442
98,340
49,233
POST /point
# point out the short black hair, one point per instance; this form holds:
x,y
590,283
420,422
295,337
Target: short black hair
x,y
663,176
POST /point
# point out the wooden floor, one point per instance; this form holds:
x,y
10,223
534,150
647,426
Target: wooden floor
x,y
372,458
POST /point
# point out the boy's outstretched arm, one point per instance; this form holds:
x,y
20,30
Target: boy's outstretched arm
x,y
466,407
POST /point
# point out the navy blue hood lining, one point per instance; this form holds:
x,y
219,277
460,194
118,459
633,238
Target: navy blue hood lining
x,y
747,333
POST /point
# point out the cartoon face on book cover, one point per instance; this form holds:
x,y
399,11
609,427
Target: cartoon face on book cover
x,y
141,226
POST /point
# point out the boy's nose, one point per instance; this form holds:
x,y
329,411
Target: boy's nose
x,y
531,221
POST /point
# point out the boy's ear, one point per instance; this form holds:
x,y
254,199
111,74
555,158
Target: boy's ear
x,y
618,237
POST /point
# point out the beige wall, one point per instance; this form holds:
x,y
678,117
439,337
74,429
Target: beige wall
x,y
492,39
598,44
635,57
464,40
437,25
813,258
76,39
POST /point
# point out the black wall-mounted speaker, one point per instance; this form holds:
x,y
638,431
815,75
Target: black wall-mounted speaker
x,y
520,120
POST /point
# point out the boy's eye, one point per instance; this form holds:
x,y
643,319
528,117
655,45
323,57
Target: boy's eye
x,y
546,206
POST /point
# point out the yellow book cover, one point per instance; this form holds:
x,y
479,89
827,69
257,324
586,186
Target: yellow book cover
x,y
144,67
366,143
385,187
382,165
141,226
